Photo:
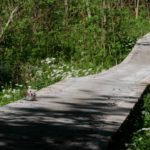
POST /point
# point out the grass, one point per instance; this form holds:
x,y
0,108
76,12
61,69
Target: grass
x,y
8,95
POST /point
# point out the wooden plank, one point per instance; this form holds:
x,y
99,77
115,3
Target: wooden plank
x,y
79,113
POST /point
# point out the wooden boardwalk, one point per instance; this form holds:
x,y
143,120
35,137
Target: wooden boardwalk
x,y
79,113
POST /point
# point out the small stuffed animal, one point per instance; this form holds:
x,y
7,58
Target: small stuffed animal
x,y
30,95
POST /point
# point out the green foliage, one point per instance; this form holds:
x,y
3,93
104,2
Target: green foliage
x,y
141,137
9,94
84,34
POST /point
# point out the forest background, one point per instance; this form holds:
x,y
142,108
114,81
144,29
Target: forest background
x,y
75,37
44,41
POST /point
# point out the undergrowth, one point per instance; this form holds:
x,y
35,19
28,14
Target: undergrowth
x,y
43,73
141,137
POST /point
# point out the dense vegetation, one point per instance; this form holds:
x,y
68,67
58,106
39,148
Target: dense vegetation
x,y
44,41
82,33
141,135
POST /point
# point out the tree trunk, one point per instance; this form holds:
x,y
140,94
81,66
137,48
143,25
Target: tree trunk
x,y
137,9
66,11
121,3
103,36
104,17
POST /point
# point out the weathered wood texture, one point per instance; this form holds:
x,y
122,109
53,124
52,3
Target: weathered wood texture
x,y
78,113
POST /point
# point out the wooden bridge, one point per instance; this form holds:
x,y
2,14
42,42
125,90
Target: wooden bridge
x,y
79,113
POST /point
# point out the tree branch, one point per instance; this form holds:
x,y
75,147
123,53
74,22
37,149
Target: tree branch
x,y
9,21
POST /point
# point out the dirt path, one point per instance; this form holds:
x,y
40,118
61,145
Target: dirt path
x,y
79,113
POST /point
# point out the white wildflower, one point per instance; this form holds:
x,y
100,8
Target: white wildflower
x,y
18,90
9,90
3,90
48,60
42,61
16,84
54,71
14,91
53,66
52,75
7,96
53,59
27,81
48,76
20,85
29,87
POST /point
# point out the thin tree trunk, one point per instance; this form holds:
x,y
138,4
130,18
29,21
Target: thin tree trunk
x,y
103,34
66,11
121,3
137,9
104,17
104,23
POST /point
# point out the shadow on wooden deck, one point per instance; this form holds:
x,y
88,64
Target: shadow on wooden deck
x,y
44,129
